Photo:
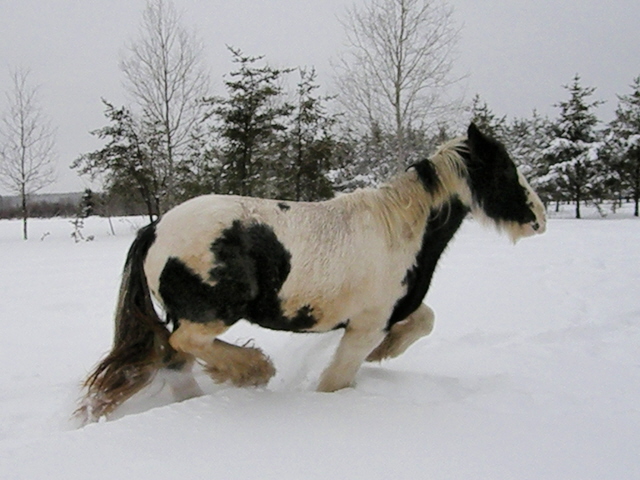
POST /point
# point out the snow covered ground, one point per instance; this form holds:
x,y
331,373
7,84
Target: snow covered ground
x,y
532,372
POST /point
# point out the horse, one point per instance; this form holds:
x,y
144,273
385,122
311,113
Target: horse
x,y
361,262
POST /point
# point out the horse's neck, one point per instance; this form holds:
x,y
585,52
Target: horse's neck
x,y
441,226
402,207
411,199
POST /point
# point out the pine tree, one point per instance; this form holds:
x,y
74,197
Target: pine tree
x,y
527,139
573,154
249,122
87,204
200,171
487,121
624,142
309,145
128,164
362,161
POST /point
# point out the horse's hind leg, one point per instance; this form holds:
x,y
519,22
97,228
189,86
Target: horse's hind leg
x,y
242,366
403,334
180,377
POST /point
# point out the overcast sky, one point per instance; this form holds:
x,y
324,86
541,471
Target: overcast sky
x,y
517,54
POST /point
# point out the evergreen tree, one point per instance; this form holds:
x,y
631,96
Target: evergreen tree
x,y
309,145
624,143
369,160
487,121
573,154
249,123
612,182
200,171
362,161
527,139
87,204
128,164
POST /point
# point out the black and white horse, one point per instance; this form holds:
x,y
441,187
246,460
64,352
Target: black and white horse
x,y
361,262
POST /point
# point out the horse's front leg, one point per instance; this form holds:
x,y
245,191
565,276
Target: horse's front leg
x,y
403,334
356,343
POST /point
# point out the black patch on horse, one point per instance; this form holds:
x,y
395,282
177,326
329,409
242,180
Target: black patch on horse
x,y
442,224
341,325
283,206
186,296
251,265
427,174
493,178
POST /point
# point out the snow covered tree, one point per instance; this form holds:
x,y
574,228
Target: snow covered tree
x,y
573,153
527,140
624,140
27,143
368,160
362,160
249,123
487,121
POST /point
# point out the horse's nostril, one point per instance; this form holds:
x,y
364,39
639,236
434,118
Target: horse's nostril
x,y
535,226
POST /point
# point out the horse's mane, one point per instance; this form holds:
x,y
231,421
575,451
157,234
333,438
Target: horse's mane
x,y
403,204
451,170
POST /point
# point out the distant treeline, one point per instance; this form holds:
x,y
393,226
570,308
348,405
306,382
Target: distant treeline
x,y
76,204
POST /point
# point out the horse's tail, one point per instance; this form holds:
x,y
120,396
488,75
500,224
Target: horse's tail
x,y
141,341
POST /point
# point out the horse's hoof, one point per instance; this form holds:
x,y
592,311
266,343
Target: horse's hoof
x,y
255,369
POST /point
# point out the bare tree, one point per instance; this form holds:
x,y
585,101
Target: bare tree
x,y
164,75
398,65
27,143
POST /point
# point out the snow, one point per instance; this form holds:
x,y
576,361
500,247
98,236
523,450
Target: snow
x,y
532,372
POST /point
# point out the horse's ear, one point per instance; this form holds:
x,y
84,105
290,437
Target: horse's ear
x,y
475,136
481,146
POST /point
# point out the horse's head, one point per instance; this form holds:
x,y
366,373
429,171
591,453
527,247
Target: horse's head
x,y
500,193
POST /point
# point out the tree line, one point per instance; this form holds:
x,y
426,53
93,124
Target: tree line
x,y
174,140
260,139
